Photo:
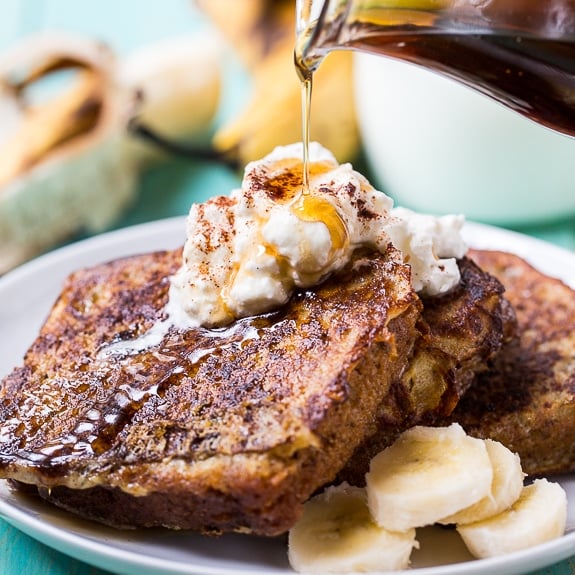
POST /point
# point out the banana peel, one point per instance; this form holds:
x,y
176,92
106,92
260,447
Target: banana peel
x,y
50,166
69,164
264,40
47,126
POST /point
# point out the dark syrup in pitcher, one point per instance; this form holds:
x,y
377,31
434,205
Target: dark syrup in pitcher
x,y
519,52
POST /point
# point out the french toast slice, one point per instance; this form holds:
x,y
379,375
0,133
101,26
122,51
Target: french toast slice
x,y
527,398
458,334
228,429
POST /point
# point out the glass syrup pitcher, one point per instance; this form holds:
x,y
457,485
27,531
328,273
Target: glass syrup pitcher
x,y
518,52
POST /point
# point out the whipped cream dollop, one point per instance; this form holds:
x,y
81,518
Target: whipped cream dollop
x,y
431,245
245,253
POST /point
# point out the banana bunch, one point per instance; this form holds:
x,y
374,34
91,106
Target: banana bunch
x,y
262,33
428,476
67,161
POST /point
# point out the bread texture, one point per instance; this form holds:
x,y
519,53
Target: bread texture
x,y
459,333
526,400
219,430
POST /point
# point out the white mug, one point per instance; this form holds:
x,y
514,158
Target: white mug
x,y
436,146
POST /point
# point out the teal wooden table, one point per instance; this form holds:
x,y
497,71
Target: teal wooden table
x,y
164,191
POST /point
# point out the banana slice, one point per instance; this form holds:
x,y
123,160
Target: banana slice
x,y
337,534
537,516
505,488
426,475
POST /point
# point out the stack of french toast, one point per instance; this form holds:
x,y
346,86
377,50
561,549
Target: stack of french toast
x,y
234,429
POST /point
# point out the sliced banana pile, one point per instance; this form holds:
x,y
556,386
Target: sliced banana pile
x,y
428,476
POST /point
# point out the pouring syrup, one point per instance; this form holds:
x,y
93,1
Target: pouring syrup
x,y
520,53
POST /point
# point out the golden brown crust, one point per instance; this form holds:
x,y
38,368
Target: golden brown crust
x,y
458,334
527,399
238,426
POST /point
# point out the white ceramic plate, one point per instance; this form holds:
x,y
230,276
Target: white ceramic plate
x,y
25,299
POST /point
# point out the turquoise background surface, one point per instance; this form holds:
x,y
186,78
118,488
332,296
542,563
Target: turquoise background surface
x,y
165,190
